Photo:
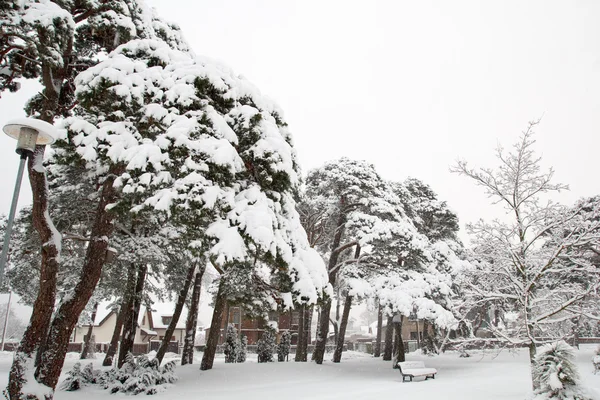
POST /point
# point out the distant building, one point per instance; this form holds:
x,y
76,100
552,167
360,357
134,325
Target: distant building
x,y
151,327
253,328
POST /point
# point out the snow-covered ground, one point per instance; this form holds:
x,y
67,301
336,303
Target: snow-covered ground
x,y
484,376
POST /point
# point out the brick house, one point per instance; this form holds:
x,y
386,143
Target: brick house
x,y
253,328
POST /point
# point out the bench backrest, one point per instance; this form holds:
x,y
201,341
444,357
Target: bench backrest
x,y
411,364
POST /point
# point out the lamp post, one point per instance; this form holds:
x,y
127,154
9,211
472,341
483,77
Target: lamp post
x,y
28,132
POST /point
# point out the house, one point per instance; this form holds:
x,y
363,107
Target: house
x,y
151,327
253,328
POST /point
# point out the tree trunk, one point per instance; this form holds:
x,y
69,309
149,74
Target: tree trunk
x,y
35,335
66,317
377,349
337,354
125,309
322,333
86,351
160,354
323,330
215,330
187,356
130,324
114,341
398,344
389,333
300,347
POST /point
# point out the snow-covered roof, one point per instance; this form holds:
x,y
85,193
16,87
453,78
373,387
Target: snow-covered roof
x,y
160,310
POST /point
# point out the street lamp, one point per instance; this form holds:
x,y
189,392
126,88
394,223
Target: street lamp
x,y
28,132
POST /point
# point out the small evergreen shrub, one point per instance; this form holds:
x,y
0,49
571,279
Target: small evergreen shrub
x,y
231,345
78,378
243,349
283,349
266,346
556,373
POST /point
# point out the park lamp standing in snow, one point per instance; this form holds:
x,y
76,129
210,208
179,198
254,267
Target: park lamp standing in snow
x,y
28,132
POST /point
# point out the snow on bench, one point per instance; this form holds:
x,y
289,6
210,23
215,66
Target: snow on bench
x,y
596,362
410,369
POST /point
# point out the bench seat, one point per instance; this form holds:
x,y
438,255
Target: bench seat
x,y
411,369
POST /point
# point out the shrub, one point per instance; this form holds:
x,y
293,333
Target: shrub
x,y
283,349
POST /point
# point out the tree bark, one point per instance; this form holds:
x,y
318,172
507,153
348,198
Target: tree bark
x,y
215,330
125,309
187,356
160,354
377,349
389,333
88,337
398,344
337,354
66,317
323,331
300,349
130,324
34,337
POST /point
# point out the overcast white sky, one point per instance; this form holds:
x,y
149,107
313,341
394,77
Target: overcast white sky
x,y
408,85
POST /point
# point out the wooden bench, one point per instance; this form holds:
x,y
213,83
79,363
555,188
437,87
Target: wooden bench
x,y
410,369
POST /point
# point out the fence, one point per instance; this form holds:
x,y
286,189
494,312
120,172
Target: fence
x,y
138,348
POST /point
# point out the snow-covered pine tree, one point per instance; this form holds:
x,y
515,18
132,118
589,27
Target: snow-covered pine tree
x,y
555,373
53,41
283,348
266,347
243,349
534,265
359,210
231,345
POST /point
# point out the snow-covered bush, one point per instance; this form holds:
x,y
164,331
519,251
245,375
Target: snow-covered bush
x,y
266,346
140,375
242,349
283,349
137,375
556,373
78,378
231,345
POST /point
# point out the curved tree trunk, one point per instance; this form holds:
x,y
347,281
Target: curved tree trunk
x,y
66,317
323,331
164,345
86,351
337,355
130,324
35,335
377,349
389,333
126,305
187,356
215,330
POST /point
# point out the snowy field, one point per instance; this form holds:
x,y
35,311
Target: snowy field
x,y
484,376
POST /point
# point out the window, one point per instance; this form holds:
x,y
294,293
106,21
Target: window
x,y
413,336
295,317
236,315
166,320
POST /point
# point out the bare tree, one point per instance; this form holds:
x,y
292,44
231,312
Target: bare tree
x,y
530,265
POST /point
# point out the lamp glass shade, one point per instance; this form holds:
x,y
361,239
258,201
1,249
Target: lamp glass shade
x,y
47,133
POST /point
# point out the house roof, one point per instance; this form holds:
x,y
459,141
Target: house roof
x,y
160,310
157,311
